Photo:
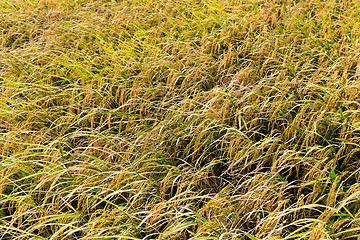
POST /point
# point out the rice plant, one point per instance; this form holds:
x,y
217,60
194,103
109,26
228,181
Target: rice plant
x,y
179,119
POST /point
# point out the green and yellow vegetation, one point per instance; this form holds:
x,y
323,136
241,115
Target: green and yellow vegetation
x,y
179,119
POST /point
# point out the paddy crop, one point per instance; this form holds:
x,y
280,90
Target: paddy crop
x,y
179,119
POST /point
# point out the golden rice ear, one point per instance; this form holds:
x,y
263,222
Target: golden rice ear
x,y
179,119
318,232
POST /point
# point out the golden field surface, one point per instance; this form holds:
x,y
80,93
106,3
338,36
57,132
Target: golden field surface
x,y
179,119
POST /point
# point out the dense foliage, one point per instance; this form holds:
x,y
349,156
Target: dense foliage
x,y
179,119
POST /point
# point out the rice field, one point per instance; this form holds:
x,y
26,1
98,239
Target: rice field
x,y
179,119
